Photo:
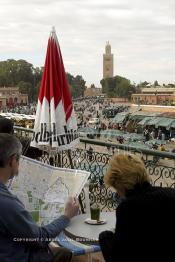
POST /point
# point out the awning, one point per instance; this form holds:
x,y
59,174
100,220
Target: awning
x,y
145,121
173,124
133,137
111,133
127,136
119,118
137,117
16,116
165,122
154,121
137,144
88,130
156,141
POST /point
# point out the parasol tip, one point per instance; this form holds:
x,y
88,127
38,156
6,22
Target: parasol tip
x,y
53,29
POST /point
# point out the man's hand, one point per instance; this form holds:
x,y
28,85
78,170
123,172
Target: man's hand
x,y
71,207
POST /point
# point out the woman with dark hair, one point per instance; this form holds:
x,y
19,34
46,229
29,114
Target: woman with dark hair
x,y
6,125
144,218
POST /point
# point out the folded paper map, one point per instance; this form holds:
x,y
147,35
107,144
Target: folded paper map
x,y
44,189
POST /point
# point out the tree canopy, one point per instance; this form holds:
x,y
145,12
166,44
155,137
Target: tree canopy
x,y
117,86
156,83
77,85
143,84
24,75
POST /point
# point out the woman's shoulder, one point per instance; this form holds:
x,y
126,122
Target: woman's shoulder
x,y
148,197
165,192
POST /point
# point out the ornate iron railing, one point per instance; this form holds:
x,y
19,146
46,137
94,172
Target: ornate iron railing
x,y
160,166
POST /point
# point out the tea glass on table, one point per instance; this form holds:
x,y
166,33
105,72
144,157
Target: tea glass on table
x,y
95,212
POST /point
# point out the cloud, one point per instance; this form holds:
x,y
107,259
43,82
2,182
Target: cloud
x,y
141,34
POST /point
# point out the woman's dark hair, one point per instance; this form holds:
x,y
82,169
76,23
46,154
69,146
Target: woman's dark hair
x,y
6,125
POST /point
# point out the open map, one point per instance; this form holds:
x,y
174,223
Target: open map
x,y
44,189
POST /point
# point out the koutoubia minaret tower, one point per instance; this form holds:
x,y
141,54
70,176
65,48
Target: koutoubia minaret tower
x,y
108,62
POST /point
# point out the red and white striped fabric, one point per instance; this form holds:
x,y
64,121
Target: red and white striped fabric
x,y
55,122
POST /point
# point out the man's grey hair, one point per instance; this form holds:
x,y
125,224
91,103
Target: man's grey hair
x,y
9,145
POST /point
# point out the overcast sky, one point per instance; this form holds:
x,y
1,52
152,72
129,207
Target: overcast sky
x,y
141,34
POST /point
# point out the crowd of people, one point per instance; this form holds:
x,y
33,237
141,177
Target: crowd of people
x,y
156,133
29,109
149,137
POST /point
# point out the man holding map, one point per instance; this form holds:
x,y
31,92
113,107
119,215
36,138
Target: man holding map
x,y
21,239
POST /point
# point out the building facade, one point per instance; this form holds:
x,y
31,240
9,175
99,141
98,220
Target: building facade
x,y
108,64
10,96
155,96
92,92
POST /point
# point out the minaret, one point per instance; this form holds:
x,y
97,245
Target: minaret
x,y
107,62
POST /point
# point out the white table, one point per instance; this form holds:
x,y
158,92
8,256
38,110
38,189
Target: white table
x,y
86,233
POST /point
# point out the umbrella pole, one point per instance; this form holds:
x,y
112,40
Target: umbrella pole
x,y
72,166
70,158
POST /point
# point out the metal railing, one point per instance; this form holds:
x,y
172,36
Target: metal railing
x,y
160,166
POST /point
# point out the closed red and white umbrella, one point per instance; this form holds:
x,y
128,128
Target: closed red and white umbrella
x,y
55,123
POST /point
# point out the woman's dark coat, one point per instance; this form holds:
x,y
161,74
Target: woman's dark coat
x,y
145,227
